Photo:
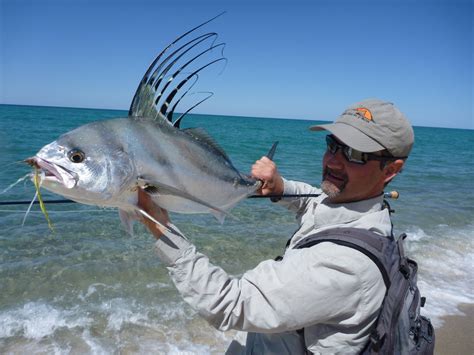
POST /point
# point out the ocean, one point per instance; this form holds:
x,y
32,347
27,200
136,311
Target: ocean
x,y
89,287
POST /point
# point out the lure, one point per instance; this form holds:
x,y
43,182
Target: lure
x,y
36,181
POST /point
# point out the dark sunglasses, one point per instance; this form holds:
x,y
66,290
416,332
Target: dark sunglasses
x,y
352,155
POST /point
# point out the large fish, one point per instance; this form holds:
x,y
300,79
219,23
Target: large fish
x,y
105,162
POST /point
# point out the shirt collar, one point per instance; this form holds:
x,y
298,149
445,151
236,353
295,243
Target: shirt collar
x,y
329,214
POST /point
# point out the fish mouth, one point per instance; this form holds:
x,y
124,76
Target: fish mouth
x,y
52,172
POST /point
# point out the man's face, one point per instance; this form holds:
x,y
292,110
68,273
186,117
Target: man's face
x,y
344,181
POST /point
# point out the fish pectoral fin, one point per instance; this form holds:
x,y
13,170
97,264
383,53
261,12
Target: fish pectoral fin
x,y
163,228
152,190
219,216
160,188
128,218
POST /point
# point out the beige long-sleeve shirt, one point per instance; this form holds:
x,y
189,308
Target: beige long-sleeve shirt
x,y
333,291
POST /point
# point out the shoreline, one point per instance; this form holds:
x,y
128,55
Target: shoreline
x,y
456,335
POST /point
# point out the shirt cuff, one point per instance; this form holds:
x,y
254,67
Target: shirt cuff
x,y
289,187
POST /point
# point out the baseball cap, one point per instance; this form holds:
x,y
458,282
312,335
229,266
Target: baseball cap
x,y
372,125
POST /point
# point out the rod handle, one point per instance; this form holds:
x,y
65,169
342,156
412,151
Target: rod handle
x,y
392,194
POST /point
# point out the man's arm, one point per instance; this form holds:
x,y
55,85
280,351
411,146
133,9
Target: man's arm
x,y
272,297
266,170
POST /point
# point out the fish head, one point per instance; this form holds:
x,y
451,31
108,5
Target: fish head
x,y
88,165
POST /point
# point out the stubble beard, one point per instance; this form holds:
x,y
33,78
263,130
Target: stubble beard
x,y
330,189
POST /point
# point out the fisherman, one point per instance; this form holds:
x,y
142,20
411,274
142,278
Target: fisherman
x,y
331,291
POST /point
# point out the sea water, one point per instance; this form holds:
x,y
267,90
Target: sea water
x,y
89,287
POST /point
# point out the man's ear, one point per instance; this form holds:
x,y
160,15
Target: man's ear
x,y
392,169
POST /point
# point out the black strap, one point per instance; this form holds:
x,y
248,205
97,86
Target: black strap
x,y
380,249
367,242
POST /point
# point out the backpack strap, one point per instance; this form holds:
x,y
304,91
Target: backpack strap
x,y
376,247
404,267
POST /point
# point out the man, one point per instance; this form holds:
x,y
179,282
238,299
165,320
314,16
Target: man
x,y
332,291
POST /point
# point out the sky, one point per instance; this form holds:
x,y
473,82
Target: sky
x,y
286,59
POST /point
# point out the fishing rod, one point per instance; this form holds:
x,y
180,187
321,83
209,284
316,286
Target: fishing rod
x,y
392,194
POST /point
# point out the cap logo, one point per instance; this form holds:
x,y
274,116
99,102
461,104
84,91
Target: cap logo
x,y
365,113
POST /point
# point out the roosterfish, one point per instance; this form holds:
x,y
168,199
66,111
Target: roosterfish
x,y
103,163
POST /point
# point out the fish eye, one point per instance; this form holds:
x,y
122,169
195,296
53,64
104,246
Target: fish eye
x,y
76,156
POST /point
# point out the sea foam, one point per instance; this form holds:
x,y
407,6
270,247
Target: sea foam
x,y
445,258
37,320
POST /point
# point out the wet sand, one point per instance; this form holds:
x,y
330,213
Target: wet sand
x,y
456,336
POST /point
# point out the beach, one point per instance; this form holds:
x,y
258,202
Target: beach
x,y
456,336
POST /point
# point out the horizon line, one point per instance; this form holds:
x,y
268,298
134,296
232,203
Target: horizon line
x,y
211,114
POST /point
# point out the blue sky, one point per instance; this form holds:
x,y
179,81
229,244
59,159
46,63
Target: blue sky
x,y
288,59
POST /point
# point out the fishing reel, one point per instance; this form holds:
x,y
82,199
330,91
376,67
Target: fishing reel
x,y
393,195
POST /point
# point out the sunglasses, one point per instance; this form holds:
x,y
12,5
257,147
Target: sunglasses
x,y
352,155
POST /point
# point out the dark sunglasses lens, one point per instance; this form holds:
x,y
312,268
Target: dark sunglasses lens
x,y
354,156
351,155
332,145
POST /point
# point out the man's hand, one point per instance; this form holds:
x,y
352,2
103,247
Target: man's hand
x,y
161,215
265,170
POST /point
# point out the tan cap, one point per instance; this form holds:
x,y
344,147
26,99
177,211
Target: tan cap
x,y
373,125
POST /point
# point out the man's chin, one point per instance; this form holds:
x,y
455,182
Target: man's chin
x,y
331,190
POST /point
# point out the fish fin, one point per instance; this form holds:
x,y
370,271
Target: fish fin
x,y
156,95
219,216
128,219
177,123
167,227
272,150
161,188
152,190
222,216
202,136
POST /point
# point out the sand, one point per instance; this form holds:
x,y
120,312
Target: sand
x,y
456,336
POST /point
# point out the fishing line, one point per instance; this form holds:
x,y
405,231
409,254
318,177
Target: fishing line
x,y
392,194
29,208
54,212
11,203
19,162
284,196
15,183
